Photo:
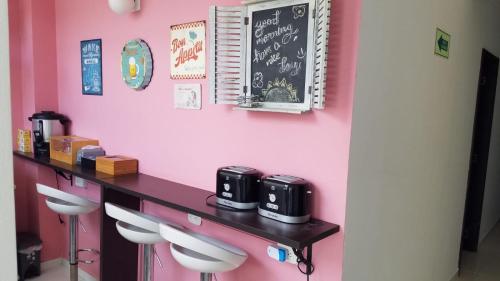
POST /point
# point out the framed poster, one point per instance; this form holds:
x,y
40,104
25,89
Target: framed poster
x,y
187,51
91,58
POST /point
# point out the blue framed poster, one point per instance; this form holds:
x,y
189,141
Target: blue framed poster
x,y
91,54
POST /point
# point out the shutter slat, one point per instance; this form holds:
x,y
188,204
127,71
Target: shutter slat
x,y
228,64
227,17
229,48
230,38
228,25
236,9
227,70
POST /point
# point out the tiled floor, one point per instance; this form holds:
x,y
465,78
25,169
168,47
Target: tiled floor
x,y
485,264
59,271
55,273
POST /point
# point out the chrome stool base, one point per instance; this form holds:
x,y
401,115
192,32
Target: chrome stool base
x,y
147,273
206,277
92,251
73,249
73,272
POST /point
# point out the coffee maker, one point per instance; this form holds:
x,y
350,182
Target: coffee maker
x,y
46,124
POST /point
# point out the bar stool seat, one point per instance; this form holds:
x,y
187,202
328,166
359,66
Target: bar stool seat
x,y
199,262
137,235
72,205
136,226
202,253
139,228
66,203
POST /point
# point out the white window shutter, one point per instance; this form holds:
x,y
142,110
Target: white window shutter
x,y
227,54
322,22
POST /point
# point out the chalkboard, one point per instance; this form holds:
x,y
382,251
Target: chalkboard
x,y
279,54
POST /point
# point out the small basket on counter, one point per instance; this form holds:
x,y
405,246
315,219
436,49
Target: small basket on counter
x,y
117,165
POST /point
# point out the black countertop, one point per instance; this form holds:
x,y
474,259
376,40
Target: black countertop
x,y
194,201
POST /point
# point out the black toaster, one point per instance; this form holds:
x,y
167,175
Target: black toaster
x,y
238,187
285,198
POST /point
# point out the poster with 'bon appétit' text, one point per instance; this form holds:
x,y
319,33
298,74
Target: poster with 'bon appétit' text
x,y
187,51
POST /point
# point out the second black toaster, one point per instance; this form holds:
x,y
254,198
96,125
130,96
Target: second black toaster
x,y
285,198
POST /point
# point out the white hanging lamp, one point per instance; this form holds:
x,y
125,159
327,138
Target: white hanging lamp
x,y
124,6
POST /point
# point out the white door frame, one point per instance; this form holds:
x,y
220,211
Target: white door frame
x,y
8,263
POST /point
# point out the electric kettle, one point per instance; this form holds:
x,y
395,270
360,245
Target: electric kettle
x,y
46,124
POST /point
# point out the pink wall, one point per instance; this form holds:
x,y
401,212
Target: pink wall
x,y
44,53
188,146
34,88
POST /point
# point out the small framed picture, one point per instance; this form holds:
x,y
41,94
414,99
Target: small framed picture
x,y
91,58
187,96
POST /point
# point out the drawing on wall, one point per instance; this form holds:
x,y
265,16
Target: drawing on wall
x,y
299,11
279,91
187,96
258,80
187,51
91,59
137,64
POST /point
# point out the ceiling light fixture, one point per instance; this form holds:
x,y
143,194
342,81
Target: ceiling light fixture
x,y
124,6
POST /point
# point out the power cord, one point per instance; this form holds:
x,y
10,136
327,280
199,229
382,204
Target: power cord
x,y
222,207
61,221
302,261
68,178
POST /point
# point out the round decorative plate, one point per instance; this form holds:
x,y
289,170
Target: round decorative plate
x,y
137,64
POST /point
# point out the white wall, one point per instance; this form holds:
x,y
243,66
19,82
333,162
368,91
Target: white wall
x,y
8,266
411,137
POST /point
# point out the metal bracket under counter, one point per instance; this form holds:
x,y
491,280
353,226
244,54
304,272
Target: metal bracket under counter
x,y
130,190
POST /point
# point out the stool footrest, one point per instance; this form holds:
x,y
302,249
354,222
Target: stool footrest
x,y
93,251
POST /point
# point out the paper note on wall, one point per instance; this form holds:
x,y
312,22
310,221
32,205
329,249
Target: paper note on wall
x,y
187,96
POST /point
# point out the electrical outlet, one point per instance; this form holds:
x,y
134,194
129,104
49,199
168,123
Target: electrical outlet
x,y
79,182
290,255
194,219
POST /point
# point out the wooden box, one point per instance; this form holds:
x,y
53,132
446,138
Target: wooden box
x,y
65,148
116,165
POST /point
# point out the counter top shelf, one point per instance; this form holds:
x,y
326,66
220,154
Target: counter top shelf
x,y
193,200
78,171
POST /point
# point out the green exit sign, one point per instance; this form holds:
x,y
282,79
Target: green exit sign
x,y
442,47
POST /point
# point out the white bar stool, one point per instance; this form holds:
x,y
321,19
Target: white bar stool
x,y
202,253
68,204
141,229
